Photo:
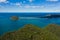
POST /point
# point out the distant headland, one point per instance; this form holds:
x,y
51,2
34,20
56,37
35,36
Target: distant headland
x,y
51,16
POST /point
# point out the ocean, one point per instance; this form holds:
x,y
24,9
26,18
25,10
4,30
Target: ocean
x,y
7,25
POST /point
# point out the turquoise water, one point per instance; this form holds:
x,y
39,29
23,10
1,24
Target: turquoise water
x,y
6,24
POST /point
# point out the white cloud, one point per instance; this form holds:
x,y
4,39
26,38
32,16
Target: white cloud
x,y
28,6
18,4
30,0
6,2
52,0
3,0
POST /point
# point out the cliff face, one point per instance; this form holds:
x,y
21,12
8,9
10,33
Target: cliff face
x,y
30,32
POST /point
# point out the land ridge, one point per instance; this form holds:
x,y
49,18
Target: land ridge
x,y
32,32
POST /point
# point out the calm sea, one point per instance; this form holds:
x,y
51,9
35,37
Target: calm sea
x,y
6,24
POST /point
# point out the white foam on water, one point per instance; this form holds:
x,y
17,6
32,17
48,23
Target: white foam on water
x,y
29,18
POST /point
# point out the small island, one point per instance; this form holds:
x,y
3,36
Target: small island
x,y
14,18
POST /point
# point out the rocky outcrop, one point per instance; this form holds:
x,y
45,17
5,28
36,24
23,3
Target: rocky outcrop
x,y
14,18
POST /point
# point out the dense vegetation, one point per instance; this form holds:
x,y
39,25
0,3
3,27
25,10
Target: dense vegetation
x,y
32,32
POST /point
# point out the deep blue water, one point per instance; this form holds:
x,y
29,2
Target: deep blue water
x,y
6,24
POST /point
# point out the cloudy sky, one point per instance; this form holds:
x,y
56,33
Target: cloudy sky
x,y
29,5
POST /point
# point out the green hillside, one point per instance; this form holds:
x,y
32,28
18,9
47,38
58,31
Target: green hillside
x,y
30,32
54,29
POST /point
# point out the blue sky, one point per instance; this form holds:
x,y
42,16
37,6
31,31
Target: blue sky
x,y
29,5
